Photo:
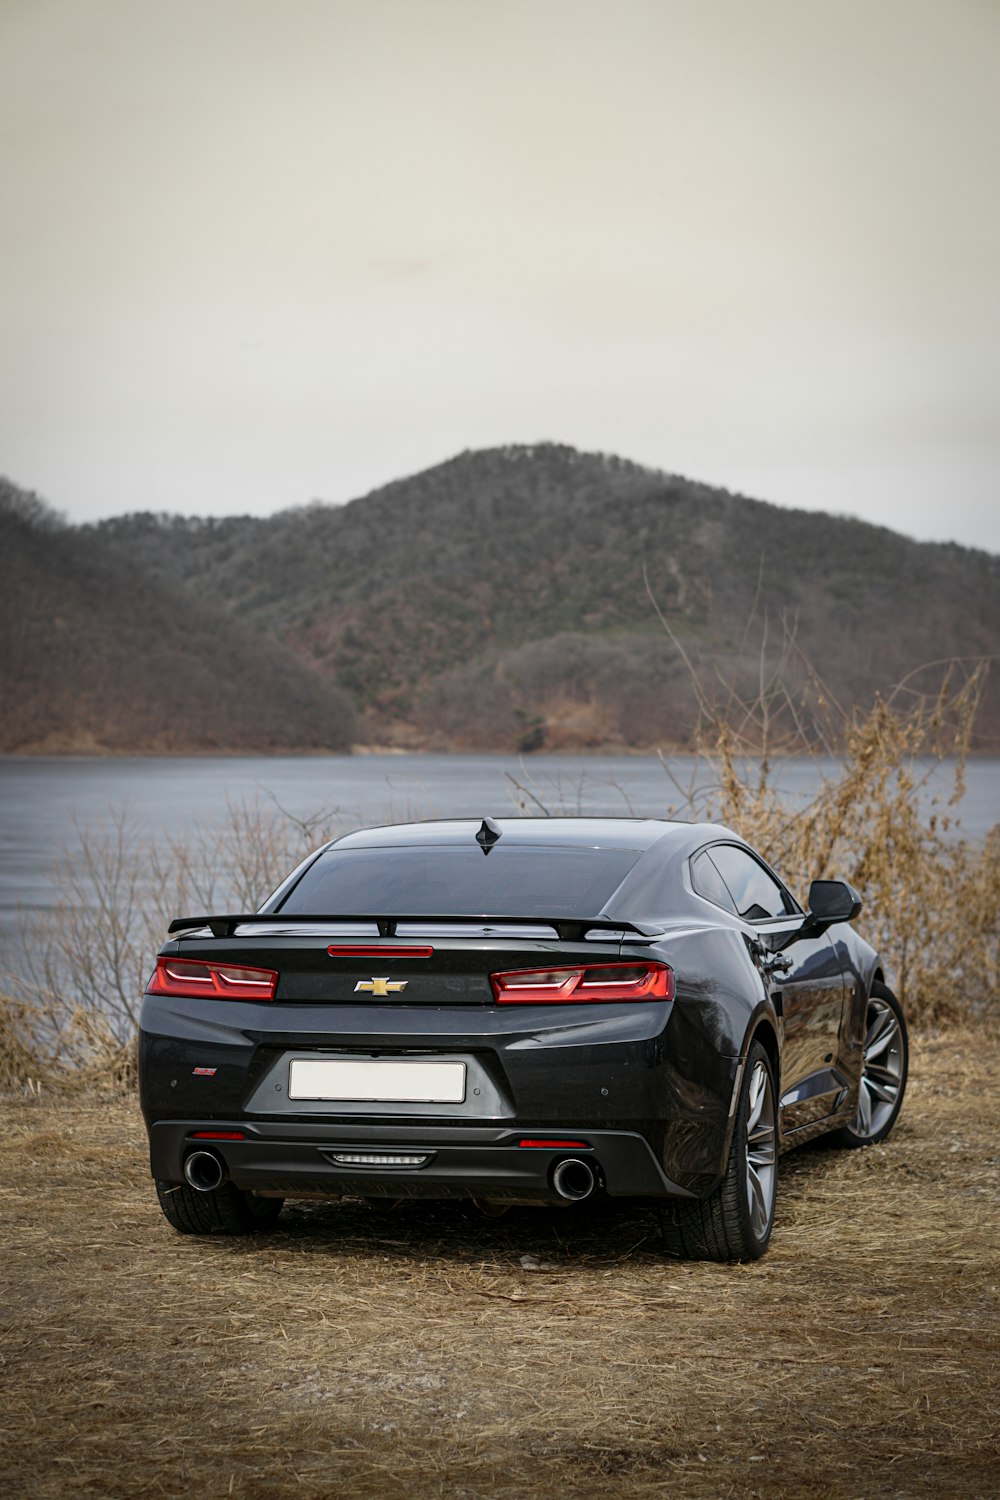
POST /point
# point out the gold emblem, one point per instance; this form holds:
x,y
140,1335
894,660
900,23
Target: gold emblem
x,y
381,986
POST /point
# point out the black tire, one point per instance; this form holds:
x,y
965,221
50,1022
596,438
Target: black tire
x,y
225,1210
883,1072
723,1226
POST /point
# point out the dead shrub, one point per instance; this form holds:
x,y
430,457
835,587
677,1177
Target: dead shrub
x,y
71,1011
890,779
49,1045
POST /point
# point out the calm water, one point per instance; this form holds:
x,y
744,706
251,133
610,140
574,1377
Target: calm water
x,y
45,803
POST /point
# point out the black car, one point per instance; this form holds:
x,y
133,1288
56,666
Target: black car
x,y
527,1011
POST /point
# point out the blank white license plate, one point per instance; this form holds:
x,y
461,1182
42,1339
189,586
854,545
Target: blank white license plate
x,y
380,1081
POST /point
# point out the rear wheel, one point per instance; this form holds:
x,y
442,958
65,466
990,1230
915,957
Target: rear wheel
x,y
884,1069
735,1221
225,1210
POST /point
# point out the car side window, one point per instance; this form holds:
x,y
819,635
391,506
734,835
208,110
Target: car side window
x,y
756,892
709,883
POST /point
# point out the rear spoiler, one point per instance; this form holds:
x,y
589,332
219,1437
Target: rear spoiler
x,y
570,929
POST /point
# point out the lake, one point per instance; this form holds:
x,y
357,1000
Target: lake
x,y
46,802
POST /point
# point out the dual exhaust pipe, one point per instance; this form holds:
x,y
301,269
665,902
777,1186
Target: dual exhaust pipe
x,y
572,1179
204,1171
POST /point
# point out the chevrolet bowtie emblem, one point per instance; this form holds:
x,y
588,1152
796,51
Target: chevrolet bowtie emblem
x,y
381,986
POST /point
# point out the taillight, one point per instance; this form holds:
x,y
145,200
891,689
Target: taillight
x,y
565,986
188,978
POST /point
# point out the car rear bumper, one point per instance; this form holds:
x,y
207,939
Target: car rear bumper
x,y
650,1076
301,1159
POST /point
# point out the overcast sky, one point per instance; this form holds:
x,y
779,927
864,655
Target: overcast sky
x,y
257,252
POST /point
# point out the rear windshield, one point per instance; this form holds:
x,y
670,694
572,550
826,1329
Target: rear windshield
x,y
442,881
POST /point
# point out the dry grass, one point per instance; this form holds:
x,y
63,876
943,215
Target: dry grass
x,y
359,1354
47,1045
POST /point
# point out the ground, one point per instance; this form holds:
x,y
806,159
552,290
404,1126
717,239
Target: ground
x,y
429,1352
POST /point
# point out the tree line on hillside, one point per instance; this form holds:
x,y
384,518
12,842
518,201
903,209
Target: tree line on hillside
x,y
96,656
539,597
511,597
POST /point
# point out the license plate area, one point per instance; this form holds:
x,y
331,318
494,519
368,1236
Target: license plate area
x,y
376,1080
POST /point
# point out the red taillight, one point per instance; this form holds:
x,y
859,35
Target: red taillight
x,y
218,1135
382,950
186,977
565,986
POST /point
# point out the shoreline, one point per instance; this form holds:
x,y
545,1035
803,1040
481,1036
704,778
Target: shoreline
x,y
375,751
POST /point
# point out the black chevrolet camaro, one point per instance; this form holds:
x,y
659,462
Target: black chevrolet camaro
x,y
528,1011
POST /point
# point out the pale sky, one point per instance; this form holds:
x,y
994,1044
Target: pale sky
x,y
258,252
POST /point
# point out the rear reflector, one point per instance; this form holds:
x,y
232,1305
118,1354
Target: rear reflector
x,y
185,977
547,1145
573,986
218,1135
381,950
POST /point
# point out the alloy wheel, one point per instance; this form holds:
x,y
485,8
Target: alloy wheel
x,y
881,1070
761,1149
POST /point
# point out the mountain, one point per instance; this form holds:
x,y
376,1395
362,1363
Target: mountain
x,y
505,598
97,655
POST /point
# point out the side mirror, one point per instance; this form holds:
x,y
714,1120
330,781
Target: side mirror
x,y
831,901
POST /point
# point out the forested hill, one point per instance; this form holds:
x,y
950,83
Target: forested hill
x,y
96,655
496,601
499,599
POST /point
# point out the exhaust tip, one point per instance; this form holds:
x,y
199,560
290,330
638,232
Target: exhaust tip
x,y
204,1171
574,1179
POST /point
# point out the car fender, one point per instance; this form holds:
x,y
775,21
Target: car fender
x,y
723,1001
765,1025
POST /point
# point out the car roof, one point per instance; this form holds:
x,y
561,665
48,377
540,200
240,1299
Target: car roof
x,y
584,832
654,887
